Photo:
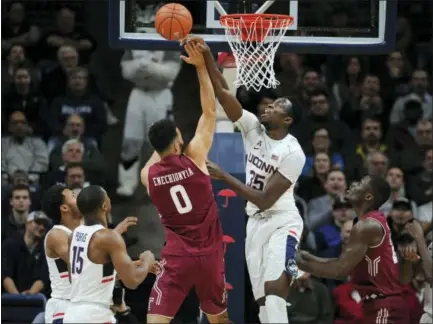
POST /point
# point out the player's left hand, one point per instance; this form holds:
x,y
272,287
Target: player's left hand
x,y
123,226
415,230
195,56
215,171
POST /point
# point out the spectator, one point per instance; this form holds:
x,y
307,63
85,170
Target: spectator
x,y
350,84
79,101
66,33
75,176
419,85
21,151
339,133
16,30
395,178
74,129
322,144
291,73
309,302
152,73
377,164
368,102
313,187
400,213
15,58
20,203
318,208
420,187
24,96
414,146
328,235
25,270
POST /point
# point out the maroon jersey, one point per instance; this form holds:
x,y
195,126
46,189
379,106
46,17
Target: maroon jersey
x,y
378,274
183,196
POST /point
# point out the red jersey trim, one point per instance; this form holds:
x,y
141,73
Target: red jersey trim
x,y
384,233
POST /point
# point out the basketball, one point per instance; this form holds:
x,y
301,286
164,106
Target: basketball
x,y
173,21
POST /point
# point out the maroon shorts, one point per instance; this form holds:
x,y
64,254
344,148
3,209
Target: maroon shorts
x,y
389,310
180,274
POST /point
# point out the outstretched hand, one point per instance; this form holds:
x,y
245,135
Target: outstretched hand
x,y
195,56
202,46
215,172
123,226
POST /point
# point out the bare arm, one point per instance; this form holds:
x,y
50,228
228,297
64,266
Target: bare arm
x,y
364,234
131,275
144,174
201,143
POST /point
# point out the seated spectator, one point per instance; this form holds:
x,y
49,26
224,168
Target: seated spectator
x,y
419,85
75,176
320,117
371,141
16,58
79,101
318,208
20,203
24,269
402,136
74,129
309,302
322,144
55,80
21,151
313,187
66,33
350,83
24,96
327,235
400,213
310,82
290,75
16,30
368,102
412,157
377,164
419,186
395,178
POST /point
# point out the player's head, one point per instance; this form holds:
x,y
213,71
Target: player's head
x,y
277,115
370,193
94,203
60,204
165,137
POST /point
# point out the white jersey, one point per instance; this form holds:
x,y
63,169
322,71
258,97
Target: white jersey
x,y
265,156
91,282
58,270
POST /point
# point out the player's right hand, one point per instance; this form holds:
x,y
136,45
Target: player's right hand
x,y
123,226
203,47
147,257
195,56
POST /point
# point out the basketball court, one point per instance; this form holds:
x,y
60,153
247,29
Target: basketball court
x,y
319,26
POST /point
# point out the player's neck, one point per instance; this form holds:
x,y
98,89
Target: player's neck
x,y
277,134
361,211
92,221
72,224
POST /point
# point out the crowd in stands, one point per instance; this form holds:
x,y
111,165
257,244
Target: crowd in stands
x,y
353,116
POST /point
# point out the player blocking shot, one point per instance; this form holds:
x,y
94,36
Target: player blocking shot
x,y
96,255
274,162
369,257
179,186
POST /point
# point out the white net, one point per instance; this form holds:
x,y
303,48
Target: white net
x,y
254,43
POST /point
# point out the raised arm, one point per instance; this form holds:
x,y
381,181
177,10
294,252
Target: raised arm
x,y
364,234
201,143
144,174
228,101
130,274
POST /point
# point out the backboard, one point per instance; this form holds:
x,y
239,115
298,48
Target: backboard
x,y
320,27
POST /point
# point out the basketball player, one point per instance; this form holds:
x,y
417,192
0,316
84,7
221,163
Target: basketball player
x,y
369,257
180,188
59,203
96,254
274,162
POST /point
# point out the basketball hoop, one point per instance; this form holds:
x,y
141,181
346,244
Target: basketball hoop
x,y
254,40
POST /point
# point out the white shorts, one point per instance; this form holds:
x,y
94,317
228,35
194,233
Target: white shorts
x,y
426,318
55,310
88,313
265,248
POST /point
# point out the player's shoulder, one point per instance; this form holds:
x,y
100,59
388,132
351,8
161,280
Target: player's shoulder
x,y
57,234
368,228
291,146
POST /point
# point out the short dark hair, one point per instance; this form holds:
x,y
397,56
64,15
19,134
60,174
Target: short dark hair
x,y
73,165
381,191
20,186
90,199
51,202
161,134
319,91
371,116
